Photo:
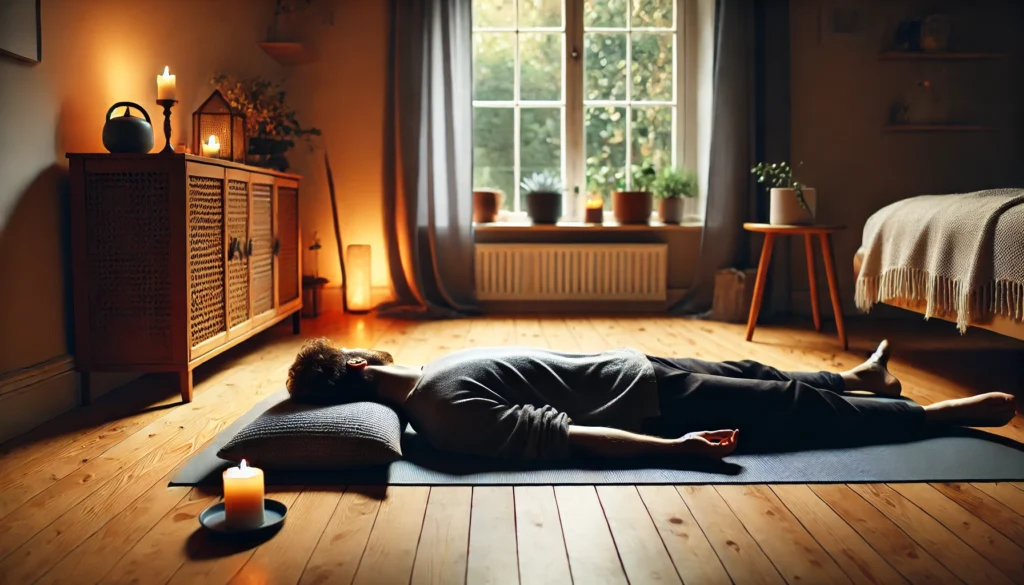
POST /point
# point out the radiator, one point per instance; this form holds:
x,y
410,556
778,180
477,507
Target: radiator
x,y
553,272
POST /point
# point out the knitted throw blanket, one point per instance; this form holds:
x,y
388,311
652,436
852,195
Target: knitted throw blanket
x,y
962,255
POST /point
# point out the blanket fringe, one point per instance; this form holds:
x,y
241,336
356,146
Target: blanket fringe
x,y
944,297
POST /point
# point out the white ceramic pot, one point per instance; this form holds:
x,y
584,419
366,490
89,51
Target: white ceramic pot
x,y
786,209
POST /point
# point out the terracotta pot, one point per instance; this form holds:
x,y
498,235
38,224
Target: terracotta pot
x,y
486,205
632,206
670,209
786,209
544,207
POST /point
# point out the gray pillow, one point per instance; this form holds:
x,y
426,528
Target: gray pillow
x,y
291,435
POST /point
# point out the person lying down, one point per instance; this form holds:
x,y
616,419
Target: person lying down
x,y
531,403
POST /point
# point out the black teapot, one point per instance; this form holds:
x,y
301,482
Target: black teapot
x,y
128,133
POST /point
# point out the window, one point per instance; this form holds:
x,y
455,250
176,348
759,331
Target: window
x,y
580,89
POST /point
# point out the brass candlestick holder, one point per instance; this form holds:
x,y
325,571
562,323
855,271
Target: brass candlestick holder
x,y
167,105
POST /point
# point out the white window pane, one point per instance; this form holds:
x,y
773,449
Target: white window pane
x,y
493,66
540,61
494,13
605,137
493,151
652,66
604,66
652,13
652,135
604,13
540,142
540,13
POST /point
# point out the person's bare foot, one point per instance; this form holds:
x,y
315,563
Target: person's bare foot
x,y
993,409
873,375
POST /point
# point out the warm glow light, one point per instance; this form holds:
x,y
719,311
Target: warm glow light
x,y
166,87
243,496
595,202
211,148
358,273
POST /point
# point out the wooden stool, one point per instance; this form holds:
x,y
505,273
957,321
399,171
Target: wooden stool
x,y
824,233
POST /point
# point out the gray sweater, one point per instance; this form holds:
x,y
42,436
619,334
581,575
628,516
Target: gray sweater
x,y
518,402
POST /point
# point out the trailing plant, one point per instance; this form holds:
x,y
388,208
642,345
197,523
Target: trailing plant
x,y
780,176
674,182
644,176
542,182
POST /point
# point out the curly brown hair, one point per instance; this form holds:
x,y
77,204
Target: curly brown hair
x,y
320,373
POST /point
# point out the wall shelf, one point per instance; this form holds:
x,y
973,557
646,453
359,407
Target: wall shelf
x,y
290,54
935,128
923,56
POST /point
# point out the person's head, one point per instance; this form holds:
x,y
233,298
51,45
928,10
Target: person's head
x,y
325,374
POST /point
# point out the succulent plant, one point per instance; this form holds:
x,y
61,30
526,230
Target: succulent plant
x,y
675,182
542,182
780,176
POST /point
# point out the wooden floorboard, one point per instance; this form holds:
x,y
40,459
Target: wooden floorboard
x,y
84,498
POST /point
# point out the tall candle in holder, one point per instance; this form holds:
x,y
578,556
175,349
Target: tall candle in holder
x,y
166,86
243,497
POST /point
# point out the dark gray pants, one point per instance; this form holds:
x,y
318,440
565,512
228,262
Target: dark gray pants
x,y
769,405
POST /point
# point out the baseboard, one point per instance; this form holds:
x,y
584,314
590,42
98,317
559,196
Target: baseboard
x,y
31,396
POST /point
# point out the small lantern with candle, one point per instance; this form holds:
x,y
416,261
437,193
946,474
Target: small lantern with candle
x,y
358,287
211,148
218,121
595,209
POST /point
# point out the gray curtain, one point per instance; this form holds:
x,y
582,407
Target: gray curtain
x,y
750,122
428,159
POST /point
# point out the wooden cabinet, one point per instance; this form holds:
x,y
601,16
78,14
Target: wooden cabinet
x,y
176,258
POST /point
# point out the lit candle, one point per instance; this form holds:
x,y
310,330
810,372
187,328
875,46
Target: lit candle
x,y
211,148
243,496
165,86
594,210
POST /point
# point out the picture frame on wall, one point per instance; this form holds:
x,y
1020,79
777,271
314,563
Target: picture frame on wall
x,y
21,34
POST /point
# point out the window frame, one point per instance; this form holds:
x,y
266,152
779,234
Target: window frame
x,y
573,105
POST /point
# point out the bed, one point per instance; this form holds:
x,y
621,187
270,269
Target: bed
x,y
956,257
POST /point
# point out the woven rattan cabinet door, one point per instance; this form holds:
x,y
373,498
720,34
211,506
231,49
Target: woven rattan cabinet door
x,y
263,245
240,247
288,283
207,259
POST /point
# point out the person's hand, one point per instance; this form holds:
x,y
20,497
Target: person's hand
x,y
714,444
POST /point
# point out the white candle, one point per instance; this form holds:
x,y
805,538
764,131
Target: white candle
x,y
211,148
243,496
165,86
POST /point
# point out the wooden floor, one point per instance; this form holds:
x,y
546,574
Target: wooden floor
x,y
84,499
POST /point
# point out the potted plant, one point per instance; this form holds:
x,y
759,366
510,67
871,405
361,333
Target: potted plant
x,y
270,123
792,203
543,197
673,185
635,206
486,203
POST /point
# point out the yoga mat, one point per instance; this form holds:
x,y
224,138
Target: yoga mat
x,y
958,455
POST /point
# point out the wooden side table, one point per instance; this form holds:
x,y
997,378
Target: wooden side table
x,y
824,234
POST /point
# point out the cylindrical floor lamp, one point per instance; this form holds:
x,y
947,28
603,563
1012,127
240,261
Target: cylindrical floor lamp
x,y
358,262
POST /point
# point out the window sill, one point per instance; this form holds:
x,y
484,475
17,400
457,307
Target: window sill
x,y
517,227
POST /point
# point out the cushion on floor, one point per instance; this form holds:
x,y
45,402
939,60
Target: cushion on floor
x,y
290,435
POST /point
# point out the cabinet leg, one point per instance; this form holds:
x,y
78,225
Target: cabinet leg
x,y
296,323
762,276
185,384
85,388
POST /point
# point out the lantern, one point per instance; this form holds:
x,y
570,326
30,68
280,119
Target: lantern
x,y
215,122
357,272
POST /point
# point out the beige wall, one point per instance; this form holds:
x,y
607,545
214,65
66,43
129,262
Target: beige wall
x,y
840,98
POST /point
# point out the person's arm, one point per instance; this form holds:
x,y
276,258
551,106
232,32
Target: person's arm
x,y
618,444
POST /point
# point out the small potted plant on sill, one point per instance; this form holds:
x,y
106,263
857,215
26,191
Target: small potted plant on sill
x,y
543,197
673,186
792,203
635,206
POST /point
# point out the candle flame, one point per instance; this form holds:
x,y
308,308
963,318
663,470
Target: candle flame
x,y
212,141
167,71
243,465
